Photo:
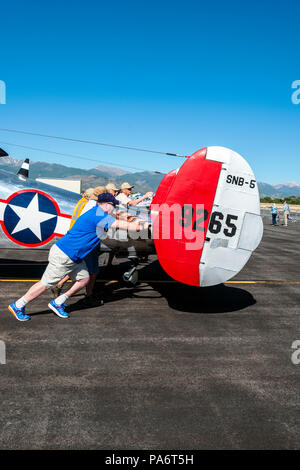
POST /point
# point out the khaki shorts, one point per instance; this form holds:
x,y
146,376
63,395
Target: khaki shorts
x,y
59,265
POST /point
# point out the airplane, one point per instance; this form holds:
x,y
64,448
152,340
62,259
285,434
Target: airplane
x,y
205,217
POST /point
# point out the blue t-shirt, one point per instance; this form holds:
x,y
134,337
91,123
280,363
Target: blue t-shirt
x,y
85,234
274,210
286,207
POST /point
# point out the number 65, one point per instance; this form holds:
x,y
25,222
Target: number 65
x,y
215,224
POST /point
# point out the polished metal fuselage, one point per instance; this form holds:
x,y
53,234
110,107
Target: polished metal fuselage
x,y
116,239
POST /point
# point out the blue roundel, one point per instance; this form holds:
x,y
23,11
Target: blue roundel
x,y
30,217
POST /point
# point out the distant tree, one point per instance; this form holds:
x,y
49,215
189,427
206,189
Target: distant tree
x,y
293,200
279,200
266,199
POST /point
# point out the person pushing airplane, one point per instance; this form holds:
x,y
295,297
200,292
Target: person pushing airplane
x,y
125,192
67,255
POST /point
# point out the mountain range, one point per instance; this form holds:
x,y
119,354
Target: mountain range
x,y
101,175
143,180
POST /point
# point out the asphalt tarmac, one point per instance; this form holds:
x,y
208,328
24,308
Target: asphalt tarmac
x,y
160,365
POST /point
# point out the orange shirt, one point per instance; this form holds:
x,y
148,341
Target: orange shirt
x,y
78,209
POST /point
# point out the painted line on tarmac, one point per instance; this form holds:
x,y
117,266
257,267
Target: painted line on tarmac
x,y
263,282
113,281
230,282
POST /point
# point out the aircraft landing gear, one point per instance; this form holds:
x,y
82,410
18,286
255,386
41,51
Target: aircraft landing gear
x,y
131,277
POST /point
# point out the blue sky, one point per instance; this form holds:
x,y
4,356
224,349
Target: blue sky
x,y
173,76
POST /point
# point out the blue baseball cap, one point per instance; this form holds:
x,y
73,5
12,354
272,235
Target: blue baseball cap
x,y
107,197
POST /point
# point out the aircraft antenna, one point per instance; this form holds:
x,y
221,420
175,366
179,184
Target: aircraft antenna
x,y
80,157
93,142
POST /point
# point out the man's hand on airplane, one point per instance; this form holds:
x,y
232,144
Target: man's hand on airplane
x,y
135,226
134,202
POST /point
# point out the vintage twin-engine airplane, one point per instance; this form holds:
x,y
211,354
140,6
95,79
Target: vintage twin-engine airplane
x,y
210,204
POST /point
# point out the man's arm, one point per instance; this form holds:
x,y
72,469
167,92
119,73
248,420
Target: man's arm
x,y
123,215
140,199
135,226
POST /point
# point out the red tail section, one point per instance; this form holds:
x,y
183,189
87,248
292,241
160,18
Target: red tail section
x,y
194,184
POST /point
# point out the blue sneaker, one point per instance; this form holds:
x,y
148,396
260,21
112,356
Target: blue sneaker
x,y
19,313
58,309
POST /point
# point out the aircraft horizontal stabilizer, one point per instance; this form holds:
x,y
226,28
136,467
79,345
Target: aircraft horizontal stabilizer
x,y
3,153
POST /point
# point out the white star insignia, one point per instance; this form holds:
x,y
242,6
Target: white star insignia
x,y
30,217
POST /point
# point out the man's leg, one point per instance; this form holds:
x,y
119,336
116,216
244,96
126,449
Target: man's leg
x,y
59,264
77,286
63,281
56,290
91,284
81,277
18,308
91,261
37,289
57,305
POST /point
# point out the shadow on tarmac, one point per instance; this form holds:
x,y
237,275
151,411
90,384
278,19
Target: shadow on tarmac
x,y
180,297
26,269
206,300
215,299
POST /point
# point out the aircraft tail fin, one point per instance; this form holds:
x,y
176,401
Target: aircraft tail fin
x,y
23,172
212,207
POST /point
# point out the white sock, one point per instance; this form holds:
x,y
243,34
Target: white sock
x,y
21,302
61,299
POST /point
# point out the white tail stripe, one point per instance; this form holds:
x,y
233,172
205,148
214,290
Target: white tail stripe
x,y
63,225
25,166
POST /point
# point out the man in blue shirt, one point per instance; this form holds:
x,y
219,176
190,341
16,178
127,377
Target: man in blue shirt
x,y
67,255
274,212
